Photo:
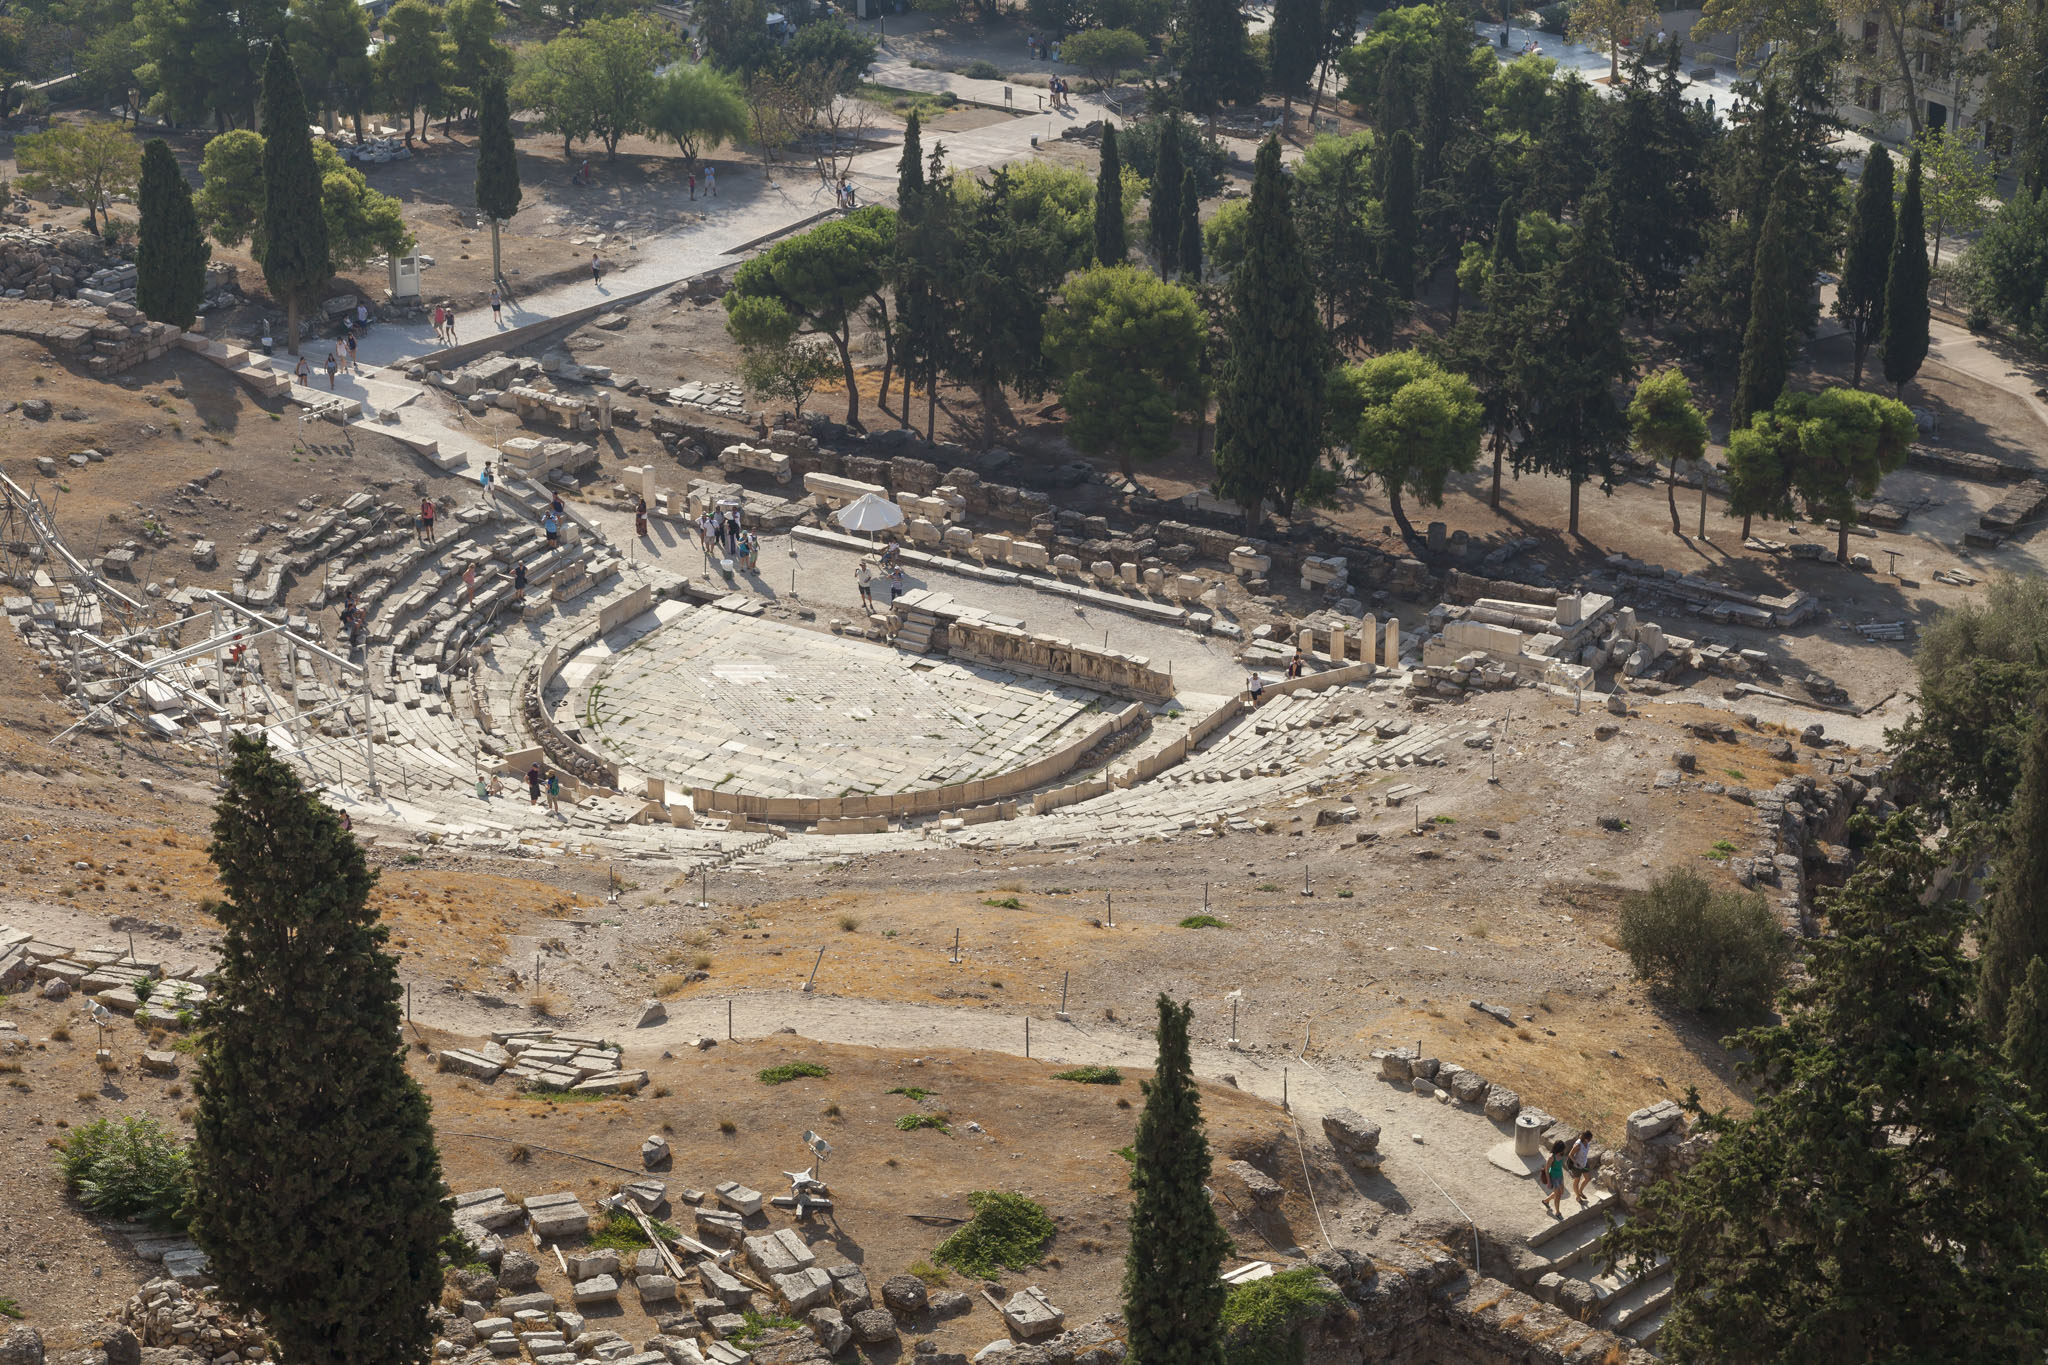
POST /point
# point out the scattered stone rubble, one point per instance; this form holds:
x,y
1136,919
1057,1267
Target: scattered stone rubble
x,y
98,331
543,1059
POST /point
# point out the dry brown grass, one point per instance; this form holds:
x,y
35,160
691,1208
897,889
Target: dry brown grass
x,y
545,1002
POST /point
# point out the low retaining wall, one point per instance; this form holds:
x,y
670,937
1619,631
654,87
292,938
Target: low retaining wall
x,y
812,809
576,758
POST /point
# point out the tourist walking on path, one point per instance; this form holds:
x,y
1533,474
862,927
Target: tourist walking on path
x,y
710,181
333,364
640,518
350,342
490,483
1580,1160
553,529
554,793
863,578
449,317
693,185
1257,687
497,302
427,519
303,372
519,582
533,785
440,323
1553,1180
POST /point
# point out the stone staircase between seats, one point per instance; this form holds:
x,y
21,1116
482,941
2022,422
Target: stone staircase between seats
x,y
1567,1267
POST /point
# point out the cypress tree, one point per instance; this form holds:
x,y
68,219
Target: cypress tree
x,y
1190,230
1905,292
1507,238
1296,38
1173,1285
317,1188
910,169
1269,412
1767,343
1209,52
294,257
2015,930
2026,1032
1885,1199
1163,217
497,166
1110,246
1397,207
1859,299
170,251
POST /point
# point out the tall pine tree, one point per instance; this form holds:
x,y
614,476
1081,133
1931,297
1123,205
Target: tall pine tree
x,y
1571,362
1269,412
497,166
910,167
1905,291
1162,222
1190,230
294,233
2015,928
2025,1038
1885,1199
1173,1271
317,1192
1768,343
1291,56
1397,207
1111,248
1859,298
1210,56
170,251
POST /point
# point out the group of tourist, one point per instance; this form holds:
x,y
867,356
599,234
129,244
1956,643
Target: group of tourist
x,y
1574,1160
1057,88
444,322
720,530
849,198
355,620
539,779
1041,48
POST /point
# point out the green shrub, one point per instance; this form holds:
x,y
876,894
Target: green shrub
x,y
1091,1075
914,1093
789,1071
1006,903
1007,1232
759,1326
1262,1321
131,1168
910,1123
1203,922
983,71
1709,950
621,1233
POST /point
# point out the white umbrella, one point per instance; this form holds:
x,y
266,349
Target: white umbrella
x,y
869,513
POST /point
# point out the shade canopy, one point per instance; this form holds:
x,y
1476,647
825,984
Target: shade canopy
x,y
869,513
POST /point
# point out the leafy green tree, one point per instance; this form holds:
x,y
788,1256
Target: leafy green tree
x,y
475,57
558,80
926,236
1269,418
1124,344
2025,1039
1956,180
329,1223
1397,207
697,107
170,253
1015,239
1573,360
295,244
1486,346
1296,38
2008,264
2014,935
1762,460
1885,1198
1103,53
1210,55
1848,441
1202,155
230,197
1906,317
1770,344
413,63
1173,1271
1111,247
1163,215
203,57
87,162
332,41
1980,675
1568,150
1190,231
1410,424
596,82
1859,297
818,281
1709,949
1612,24
497,165
361,223
1669,428
775,363
1223,236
